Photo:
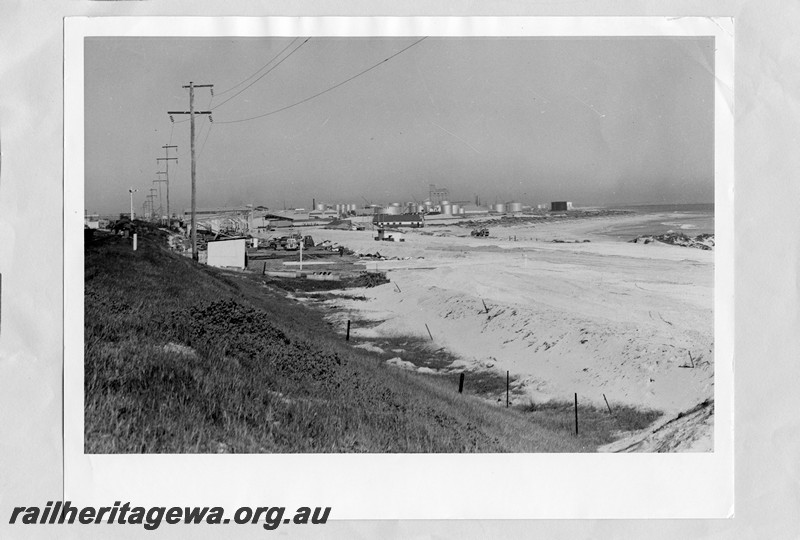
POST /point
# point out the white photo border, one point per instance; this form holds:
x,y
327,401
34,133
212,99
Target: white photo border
x,y
407,486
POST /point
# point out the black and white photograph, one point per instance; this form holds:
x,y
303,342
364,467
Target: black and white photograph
x,y
357,269
399,244
309,251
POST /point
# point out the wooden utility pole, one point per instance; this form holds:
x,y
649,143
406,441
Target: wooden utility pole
x,y
158,182
151,204
166,159
132,191
152,196
191,112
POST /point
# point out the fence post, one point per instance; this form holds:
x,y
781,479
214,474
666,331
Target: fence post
x,y
508,377
429,331
264,270
348,331
461,383
576,413
607,405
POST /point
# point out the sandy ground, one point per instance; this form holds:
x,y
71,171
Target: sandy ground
x,y
598,317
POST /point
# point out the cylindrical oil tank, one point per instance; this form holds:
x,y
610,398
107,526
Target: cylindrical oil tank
x,y
455,208
446,208
461,211
320,206
514,206
499,207
394,209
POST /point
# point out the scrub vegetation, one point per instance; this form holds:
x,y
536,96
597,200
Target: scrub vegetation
x,y
181,357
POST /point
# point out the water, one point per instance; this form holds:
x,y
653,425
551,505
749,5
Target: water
x,y
690,219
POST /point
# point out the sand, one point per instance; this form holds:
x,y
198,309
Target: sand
x,y
598,317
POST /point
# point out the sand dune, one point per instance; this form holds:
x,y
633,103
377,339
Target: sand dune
x,y
598,317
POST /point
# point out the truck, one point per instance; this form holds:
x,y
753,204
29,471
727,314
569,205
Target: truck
x,y
291,242
286,242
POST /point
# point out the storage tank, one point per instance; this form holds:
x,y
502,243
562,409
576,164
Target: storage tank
x,y
499,207
446,208
461,211
514,206
455,208
394,209
320,206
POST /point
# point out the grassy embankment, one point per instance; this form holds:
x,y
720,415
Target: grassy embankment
x,y
185,358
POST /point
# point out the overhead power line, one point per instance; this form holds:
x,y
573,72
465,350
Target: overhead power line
x,y
334,87
257,71
202,146
263,75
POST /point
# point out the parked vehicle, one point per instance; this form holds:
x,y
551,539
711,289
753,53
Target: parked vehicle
x,y
480,232
291,242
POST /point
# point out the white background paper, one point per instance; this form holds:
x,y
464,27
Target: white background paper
x,y
767,124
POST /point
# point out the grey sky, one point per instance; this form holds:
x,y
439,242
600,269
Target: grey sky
x,y
591,120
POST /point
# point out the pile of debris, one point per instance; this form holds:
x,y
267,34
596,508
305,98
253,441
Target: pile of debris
x,y
334,246
380,257
368,279
701,241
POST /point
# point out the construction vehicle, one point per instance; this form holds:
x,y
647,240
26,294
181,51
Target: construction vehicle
x,y
289,243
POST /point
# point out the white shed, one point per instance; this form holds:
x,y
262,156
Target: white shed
x,y
227,253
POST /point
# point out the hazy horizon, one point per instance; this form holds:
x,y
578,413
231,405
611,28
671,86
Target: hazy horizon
x,y
595,121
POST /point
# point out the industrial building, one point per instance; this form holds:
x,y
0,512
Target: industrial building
x,y
437,195
226,220
560,206
398,220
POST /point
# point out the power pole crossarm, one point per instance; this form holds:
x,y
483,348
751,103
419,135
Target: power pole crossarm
x,y
191,112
